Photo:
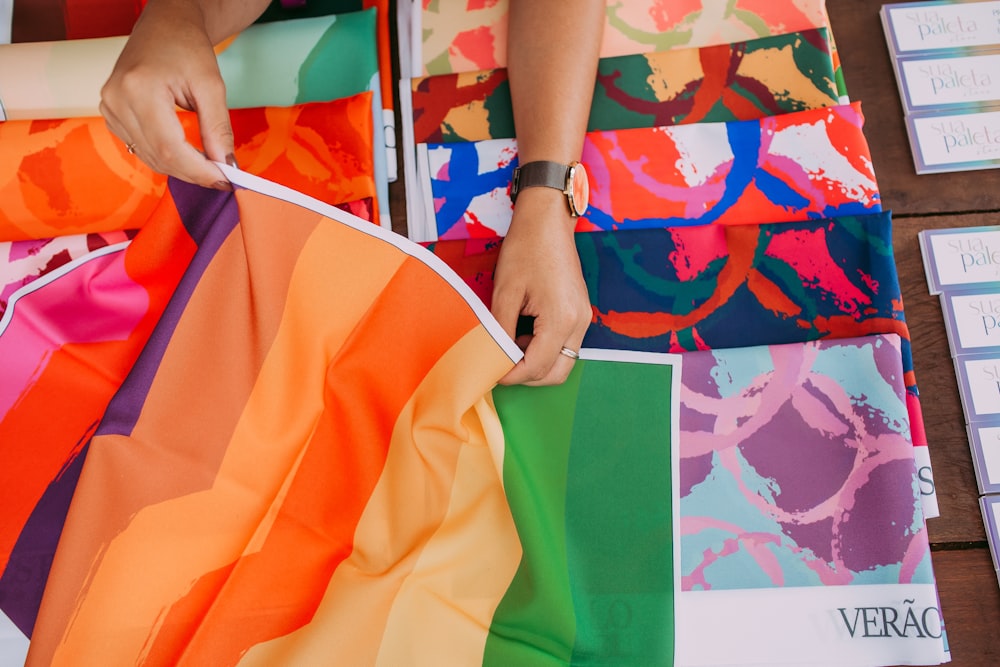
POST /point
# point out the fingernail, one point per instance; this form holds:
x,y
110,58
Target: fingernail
x,y
231,161
225,186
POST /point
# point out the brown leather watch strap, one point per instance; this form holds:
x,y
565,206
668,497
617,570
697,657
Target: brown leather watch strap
x,y
540,173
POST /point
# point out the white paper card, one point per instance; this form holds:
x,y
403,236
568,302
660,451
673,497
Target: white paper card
x,y
973,320
956,141
963,257
980,386
924,26
930,83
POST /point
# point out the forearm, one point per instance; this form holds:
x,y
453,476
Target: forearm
x,y
219,18
553,47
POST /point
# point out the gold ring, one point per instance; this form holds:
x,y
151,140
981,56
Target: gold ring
x,y
569,353
130,148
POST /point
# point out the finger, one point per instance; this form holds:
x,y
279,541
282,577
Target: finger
x,y
543,362
506,311
160,142
213,119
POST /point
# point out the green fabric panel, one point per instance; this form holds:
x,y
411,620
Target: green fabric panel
x,y
619,517
587,472
534,622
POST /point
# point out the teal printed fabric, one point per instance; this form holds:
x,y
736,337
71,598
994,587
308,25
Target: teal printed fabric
x,y
711,287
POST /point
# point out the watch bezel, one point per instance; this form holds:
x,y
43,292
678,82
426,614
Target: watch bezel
x,y
577,172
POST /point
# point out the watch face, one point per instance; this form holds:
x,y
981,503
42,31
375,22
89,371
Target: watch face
x,y
579,194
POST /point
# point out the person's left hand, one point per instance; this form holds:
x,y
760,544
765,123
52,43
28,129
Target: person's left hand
x,y
538,274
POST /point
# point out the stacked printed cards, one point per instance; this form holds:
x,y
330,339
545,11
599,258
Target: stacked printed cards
x,y
963,269
946,55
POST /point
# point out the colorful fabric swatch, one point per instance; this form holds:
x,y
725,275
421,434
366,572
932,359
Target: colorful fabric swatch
x,y
275,335
75,312
590,476
716,287
285,63
738,81
67,341
279,64
23,262
468,36
72,176
800,517
795,166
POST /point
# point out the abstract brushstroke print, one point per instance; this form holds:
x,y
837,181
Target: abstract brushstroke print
x,y
739,81
716,287
800,508
466,35
72,176
797,166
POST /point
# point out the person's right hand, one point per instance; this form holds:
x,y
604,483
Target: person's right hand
x,y
169,61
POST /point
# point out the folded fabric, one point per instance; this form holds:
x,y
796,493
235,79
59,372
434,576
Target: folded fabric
x,y
738,81
711,287
23,262
72,176
275,64
75,312
236,504
803,540
590,476
467,36
279,64
795,166
88,19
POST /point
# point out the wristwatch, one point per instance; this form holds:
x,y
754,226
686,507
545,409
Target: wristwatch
x,y
570,179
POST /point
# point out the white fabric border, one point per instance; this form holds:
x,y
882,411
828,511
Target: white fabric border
x,y
804,625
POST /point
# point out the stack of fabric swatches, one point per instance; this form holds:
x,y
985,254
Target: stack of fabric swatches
x,y
736,221
259,427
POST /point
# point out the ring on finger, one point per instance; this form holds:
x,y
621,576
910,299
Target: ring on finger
x,y
567,352
130,148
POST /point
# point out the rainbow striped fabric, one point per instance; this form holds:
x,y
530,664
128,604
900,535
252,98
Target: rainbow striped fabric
x,y
271,483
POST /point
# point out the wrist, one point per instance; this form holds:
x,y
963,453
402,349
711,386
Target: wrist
x,y
543,209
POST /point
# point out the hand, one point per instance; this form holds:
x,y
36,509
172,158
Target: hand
x,y
538,274
169,61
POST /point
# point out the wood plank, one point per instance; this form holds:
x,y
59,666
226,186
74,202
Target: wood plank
x,y
970,603
867,68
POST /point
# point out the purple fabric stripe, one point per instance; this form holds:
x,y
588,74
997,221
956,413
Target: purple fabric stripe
x,y
23,581
209,216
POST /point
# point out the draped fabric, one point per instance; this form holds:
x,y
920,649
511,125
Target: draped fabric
x,y
799,511
75,312
737,81
236,508
72,176
795,166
